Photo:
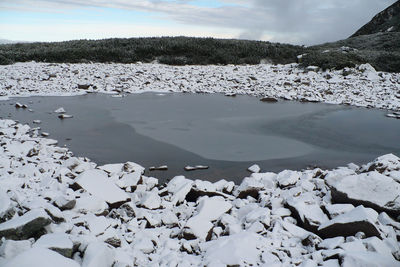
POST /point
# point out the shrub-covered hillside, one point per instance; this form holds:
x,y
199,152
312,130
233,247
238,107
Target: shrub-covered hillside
x,y
381,50
168,50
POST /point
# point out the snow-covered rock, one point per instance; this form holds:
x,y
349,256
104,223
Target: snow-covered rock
x,y
6,210
208,210
98,254
150,200
254,168
310,214
370,259
10,248
359,219
60,110
240,249
179,187
59,242
25,226
370,189
99,185
40,257
287,178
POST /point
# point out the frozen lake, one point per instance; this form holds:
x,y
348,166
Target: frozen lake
x,y
228,134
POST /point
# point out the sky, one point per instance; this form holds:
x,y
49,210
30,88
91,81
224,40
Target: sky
x,y
302,22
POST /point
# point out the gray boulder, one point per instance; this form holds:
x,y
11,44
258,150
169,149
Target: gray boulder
x,y
359,219
370,189
26,226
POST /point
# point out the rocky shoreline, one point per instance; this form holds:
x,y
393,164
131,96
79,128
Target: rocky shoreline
x,y
361,86
61,210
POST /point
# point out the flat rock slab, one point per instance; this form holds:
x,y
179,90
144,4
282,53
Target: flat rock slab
x,y
236,250
40,257
5,206
208,210
371,189
363,258
359,219
310,215
58,242
26,226
98,254
97,183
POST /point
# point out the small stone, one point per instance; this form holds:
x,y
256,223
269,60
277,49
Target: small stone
x,y
254,168
269,99
32,152
65,116
84,86
59,110
113,241
159,168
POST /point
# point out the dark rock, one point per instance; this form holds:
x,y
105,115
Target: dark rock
x,y
32,152
310,241
349,229
252,192
28,225
69,205
194,194
65,116
360,219
370,189
269,99
113,241
84,86
307,216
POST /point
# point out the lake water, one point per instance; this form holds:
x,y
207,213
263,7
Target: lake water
x,y
228,134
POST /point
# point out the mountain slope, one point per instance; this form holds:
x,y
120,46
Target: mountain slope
x,y
386,21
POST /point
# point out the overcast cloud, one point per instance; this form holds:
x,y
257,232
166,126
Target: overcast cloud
x,y
294,21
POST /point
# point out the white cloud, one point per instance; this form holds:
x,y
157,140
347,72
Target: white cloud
x,y
295,21
62,32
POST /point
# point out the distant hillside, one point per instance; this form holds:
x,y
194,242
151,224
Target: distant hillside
x,y
167,50
381,50
386,21
377,43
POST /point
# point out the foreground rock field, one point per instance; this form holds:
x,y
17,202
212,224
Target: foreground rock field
x,y
57,209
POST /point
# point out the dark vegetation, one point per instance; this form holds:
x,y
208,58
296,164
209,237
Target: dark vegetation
x,y
167,50
381,50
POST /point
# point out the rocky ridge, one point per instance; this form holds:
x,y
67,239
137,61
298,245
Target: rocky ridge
x,y
387,20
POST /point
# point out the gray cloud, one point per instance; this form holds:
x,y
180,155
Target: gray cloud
x,y
294,21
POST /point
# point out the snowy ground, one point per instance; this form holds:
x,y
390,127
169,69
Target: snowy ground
x,y
361,87
61,210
